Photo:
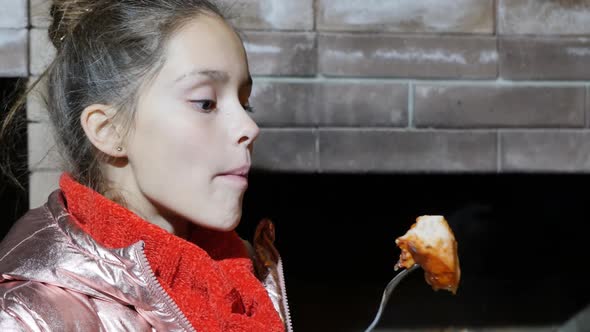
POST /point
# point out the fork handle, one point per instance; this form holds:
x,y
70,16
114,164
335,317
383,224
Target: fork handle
x,y
387,292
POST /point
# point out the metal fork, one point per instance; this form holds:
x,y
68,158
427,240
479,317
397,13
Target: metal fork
x,y
387,292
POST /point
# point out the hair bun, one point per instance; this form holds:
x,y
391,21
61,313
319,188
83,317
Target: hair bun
x,y
66,15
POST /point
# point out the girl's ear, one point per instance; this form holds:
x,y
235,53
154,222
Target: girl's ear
x,y
96,120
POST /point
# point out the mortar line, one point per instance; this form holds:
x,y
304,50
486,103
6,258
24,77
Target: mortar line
x,y
483,83
499,151
429,129
317,151
411,105
586,104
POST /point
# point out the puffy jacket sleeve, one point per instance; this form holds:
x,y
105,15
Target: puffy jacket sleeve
x,y
11,323
33,306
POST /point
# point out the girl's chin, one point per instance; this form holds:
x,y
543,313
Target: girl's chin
x,y
222,224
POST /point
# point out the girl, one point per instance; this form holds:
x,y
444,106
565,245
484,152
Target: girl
x,y
149,100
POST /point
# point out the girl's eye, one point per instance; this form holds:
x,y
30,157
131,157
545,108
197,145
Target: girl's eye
x,y
206,105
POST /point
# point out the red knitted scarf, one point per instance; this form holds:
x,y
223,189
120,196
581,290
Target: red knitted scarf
x,y
210,277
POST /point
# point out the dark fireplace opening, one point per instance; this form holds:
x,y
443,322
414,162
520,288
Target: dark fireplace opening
x,y
523,246
14,201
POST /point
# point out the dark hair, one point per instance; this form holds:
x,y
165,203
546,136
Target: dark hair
x,y
106,51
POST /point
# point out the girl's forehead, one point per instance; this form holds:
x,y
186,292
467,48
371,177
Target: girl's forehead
x,y
205,33
206,43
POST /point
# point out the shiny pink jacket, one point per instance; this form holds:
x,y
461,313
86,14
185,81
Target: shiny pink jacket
x,y
55,277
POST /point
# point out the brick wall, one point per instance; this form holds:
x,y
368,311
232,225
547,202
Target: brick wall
x,y
385,85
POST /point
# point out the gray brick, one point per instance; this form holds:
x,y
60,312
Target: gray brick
x,y
362,104
41,184
452,106
385,329
390,150
526,328
579,322
40,13
546,151
14,14
292,150
270,14
43,153
42,51
583,317
13,52
426,329
36,109
544,58
282,53
405,56
461,16
245,14
284,104
280,104
548,17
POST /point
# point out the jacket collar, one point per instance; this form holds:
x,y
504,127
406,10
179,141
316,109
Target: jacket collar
x,y
47,246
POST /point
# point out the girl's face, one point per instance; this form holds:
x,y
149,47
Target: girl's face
x,y
189,152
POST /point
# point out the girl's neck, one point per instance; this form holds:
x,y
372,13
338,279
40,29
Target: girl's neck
x,y
123,183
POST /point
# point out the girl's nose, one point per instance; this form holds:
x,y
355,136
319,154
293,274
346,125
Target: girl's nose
x,y
249,131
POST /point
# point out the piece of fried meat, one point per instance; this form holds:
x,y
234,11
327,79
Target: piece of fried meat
x,y
430,242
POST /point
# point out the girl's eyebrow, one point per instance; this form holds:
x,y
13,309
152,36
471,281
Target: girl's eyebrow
x,y
214,75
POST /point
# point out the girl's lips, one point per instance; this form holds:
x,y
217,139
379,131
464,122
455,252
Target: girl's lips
x,y
238,175
240,180
241,171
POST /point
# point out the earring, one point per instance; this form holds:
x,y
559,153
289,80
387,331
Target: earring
x,y
119,149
